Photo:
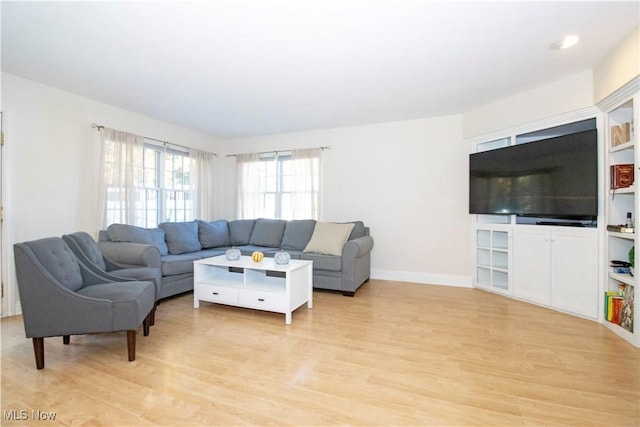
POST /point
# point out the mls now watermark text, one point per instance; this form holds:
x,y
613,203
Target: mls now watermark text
x,y
24,415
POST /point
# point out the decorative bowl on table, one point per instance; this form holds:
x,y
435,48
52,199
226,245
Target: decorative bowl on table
x,y
232,254
282,257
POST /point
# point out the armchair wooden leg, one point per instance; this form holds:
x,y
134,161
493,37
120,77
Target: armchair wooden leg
x,y
38,350
153,314
131,345
146,323
66,339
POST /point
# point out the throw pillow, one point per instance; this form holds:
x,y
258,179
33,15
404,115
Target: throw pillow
x,y
268,232
328,238
133,234
213,234
182,237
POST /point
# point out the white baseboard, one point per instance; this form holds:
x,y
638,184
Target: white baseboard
x,y
425,278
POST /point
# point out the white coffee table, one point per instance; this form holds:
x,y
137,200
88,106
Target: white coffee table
x,y
261,285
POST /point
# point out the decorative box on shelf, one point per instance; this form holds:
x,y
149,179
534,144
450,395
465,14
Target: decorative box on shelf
x,y
620,134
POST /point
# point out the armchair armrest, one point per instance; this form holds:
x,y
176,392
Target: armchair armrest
x,y
126,255
357,247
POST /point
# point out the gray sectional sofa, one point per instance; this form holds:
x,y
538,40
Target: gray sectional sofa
x,y
340,251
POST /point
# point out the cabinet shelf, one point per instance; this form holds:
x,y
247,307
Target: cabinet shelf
x,y
624,278
622,147
625,190
626,236
629,336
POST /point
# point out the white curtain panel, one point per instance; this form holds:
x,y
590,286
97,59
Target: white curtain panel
x,y
202,168
121,172
250,185
305,193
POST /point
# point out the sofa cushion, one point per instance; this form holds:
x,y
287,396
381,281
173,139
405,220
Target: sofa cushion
x,y
297,234
181,237
133,234
267,232
240,231
213,234
328,238
250,249
323,262
178,264
208,253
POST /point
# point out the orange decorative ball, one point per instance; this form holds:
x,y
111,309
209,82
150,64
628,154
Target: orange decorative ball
x,y
257,256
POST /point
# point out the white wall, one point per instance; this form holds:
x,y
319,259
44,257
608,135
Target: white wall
x,y
572,93
407,180
50,161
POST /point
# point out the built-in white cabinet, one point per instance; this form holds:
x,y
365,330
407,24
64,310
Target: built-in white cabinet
x,y
532,265
557,267
569,268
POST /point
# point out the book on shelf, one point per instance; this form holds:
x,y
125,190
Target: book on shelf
x,y
608,303
616,309
620,228
621,270
622,175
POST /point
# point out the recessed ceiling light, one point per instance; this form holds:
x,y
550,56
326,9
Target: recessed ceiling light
x,y
565,43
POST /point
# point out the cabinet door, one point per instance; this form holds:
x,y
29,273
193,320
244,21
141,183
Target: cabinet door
x,y
532,264
574,276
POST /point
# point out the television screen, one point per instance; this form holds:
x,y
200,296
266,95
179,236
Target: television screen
x,y
551,178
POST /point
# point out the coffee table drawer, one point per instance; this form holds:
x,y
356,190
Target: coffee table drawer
x,y
221,294
263,300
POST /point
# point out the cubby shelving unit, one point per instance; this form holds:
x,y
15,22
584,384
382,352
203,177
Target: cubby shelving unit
x,y
492,257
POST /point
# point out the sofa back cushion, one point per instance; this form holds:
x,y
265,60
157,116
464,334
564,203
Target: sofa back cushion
x,y
297,234
359,230
181,237
268,232
213,234
133,234
240,231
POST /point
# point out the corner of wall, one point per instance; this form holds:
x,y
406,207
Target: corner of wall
x,y
618,68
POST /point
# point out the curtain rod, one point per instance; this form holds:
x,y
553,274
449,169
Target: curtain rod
x,y
280,151
100,127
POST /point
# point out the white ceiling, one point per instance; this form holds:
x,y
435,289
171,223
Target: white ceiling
x,y
236,68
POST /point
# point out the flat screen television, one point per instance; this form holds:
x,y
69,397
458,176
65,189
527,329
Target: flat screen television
x,y
551,178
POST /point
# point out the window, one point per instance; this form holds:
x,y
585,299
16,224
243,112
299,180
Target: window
x,y
162,188
279,185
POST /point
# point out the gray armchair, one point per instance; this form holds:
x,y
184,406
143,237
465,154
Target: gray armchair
x,y
88,253
61,297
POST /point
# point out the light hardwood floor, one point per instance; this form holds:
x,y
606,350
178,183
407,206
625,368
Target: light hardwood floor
x,y
396,354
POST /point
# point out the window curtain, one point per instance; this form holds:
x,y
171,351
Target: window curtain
x,y
249,184
202,167
305,195
120,173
